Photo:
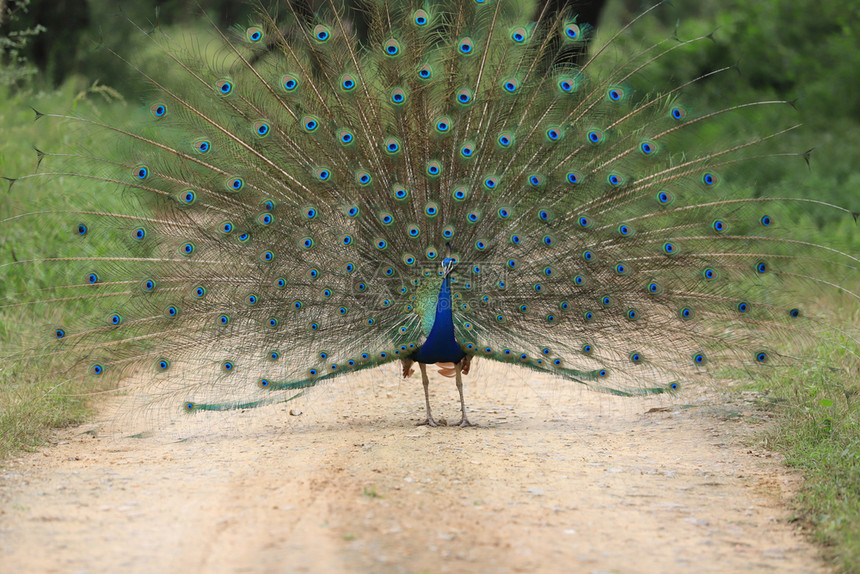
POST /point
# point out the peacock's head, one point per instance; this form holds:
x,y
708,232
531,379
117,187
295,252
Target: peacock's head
x,y
449,262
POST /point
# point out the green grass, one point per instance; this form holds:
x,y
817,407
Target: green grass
x,y
818,431
31,404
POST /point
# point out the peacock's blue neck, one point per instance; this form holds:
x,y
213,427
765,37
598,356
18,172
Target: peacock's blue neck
x,y
441,344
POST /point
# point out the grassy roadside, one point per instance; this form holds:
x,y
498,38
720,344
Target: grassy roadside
x,y
32,405
817,428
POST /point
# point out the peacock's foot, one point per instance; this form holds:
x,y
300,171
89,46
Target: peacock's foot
x,y
464,422
427,422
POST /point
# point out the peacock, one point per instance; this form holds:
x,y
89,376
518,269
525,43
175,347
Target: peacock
x,y
465,181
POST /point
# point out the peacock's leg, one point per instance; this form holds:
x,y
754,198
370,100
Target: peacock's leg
x,y
464,422
426,381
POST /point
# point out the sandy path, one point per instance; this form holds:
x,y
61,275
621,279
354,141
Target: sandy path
x,y
553,481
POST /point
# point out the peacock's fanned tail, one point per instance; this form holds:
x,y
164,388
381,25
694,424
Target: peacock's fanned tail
x,y
289,202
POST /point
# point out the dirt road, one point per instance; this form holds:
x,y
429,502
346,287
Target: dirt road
x,y
554,480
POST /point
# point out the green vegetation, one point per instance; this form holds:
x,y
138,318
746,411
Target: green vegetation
x,y
818,430
30,404
787,49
